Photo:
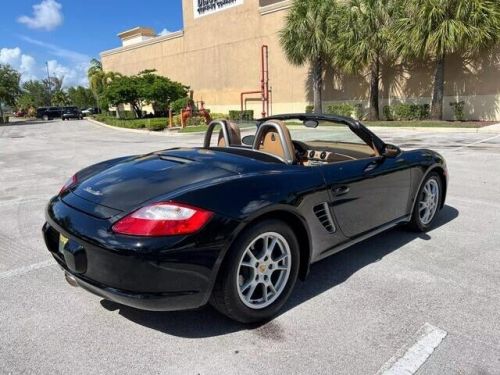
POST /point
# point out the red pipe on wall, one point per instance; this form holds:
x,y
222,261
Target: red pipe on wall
x,y
264,82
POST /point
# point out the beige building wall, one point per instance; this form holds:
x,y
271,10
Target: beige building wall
x,y
218,56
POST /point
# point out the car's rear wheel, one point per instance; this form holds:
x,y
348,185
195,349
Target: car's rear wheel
x,y
258,273
427,204
45,118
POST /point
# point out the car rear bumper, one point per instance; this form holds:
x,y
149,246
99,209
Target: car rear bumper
x,y
168,301
161,274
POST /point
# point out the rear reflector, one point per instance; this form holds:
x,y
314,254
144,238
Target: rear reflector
x,y
163,219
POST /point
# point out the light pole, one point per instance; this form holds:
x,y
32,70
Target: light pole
x,y
48,83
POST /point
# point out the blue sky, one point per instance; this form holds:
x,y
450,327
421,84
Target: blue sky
x,y
67,33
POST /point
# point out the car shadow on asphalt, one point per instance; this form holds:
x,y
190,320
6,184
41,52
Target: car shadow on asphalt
x,y
324,275
25,122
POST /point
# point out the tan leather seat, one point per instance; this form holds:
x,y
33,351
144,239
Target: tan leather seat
x,y
234,136
270,141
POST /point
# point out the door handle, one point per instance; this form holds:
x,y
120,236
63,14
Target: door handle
x,y
341,190
371,166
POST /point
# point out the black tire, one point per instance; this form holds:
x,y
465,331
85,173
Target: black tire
x,y
225,297
416,223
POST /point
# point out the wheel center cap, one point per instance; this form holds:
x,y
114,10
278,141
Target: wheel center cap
x,y
262,268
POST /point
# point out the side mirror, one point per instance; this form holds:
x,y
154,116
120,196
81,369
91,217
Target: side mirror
x,y
311,123
391,151
248,140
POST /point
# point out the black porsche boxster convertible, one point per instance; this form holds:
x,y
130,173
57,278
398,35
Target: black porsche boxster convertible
x,y
236,222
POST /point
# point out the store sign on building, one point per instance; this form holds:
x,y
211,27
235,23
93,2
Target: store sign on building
x,y
206,7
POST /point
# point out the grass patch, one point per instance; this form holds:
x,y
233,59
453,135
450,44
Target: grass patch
x,y
429,124
193,129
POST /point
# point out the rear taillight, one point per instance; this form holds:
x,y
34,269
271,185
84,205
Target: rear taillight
x,y
163,219
71,181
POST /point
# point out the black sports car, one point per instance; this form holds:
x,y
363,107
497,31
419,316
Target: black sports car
x,y
236,223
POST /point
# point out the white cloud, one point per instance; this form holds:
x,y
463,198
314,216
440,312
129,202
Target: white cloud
x,y
164,32
47,16
27,67
10,56
74,56
25,64
74,74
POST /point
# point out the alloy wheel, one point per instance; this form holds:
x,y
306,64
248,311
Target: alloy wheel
x,y
429,201
263,270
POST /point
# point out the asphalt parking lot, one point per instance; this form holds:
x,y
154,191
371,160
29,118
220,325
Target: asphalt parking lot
x,y
358,309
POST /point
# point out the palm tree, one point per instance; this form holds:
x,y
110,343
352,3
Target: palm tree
x,y
99,79
60,98
362,42
436,28
307,37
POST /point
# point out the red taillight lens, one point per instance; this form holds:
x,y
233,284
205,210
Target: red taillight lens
x,y
163,219
71,181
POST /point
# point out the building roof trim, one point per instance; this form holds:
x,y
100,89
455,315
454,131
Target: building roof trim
x,y
276,7
139,30
154,40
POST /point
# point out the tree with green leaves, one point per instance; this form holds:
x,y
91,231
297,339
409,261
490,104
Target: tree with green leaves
x,y
9,87
33,94
434,29
307,39
81,97
123,90
159,91
60,98
362,42
98,81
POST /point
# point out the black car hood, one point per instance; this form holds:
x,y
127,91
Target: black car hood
x,y
132,181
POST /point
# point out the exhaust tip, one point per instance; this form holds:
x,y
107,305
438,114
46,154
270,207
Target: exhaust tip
x,y
70,279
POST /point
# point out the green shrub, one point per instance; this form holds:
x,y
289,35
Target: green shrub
x,y
387,113
179,104
405,112
309,108
358,111
127,115
176,120
458,110
217,115
156,124
246,115
341,109
196,121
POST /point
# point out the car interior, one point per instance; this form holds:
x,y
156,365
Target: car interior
x,y
273,138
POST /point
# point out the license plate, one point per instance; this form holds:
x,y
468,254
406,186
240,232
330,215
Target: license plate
x,y
62,242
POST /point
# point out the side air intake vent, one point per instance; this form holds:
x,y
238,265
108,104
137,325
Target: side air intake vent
x,y
323,214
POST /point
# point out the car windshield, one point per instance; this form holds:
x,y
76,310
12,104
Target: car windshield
x,y
324,141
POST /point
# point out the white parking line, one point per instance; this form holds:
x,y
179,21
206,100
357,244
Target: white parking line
x,y
429,337
480,141
26,269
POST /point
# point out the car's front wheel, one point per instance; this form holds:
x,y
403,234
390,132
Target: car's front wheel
x,y
427,204
258,273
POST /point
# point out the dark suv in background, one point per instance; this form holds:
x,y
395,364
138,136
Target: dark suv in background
x,y
71,112
49,113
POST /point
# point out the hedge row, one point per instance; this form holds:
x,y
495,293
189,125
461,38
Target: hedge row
x,y
406,112
246,115
155,124
345,109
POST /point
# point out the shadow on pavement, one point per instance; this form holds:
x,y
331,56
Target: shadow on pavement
x,y
25,122
326,274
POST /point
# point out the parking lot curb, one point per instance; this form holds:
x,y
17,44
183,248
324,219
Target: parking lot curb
x,y
161,133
